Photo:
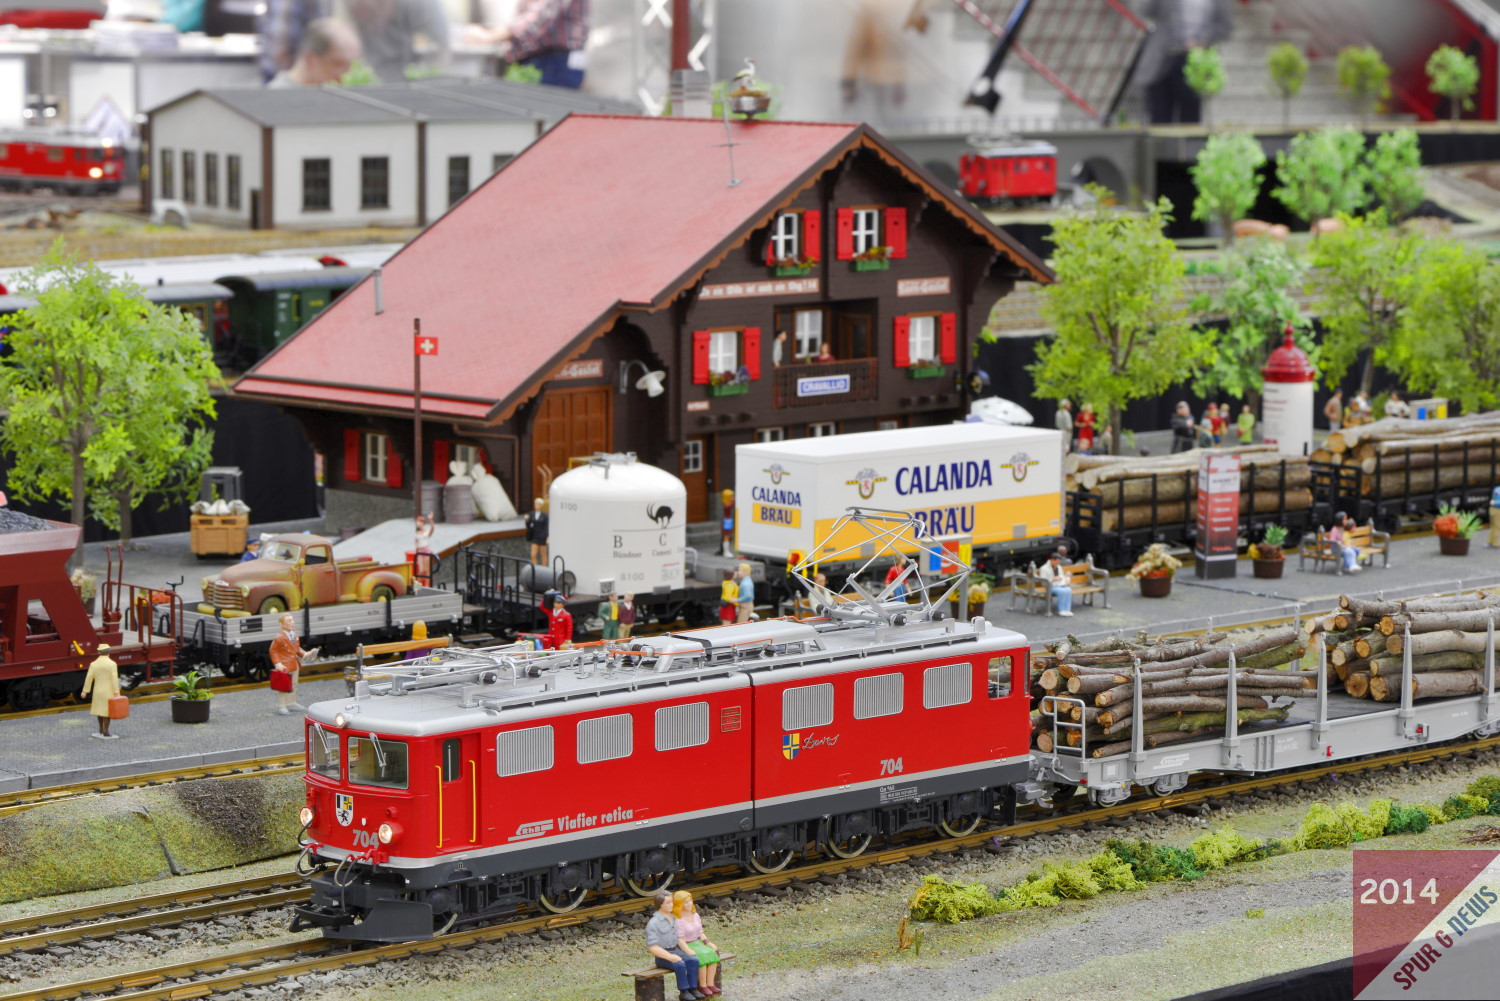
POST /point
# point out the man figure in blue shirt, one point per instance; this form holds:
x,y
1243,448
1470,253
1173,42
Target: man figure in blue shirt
x,y
669,951
746,604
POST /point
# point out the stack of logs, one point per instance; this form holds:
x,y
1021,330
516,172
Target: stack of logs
x,y
1176,485
1184,686
1366,642
1432,451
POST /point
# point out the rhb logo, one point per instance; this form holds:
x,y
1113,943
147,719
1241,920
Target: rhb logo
x,y
865,480
1018,465
777,471
535,829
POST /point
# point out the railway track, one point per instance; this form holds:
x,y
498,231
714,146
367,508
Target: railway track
x,y
258,966
27,799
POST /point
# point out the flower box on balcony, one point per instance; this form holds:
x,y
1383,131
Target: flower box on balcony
x,y
877,264
791,270
926,371
729,389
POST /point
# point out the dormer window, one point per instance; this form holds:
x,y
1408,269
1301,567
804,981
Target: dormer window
x,y
795,242
870,235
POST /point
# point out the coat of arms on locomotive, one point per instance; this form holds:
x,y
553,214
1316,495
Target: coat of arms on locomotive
x,y
343,808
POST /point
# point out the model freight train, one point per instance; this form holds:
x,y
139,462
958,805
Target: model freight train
x,y
469,784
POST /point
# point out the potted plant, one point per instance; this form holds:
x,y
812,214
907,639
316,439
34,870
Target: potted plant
x,y
927,369
874,259
190,704
793,266
1155,570
1269,560
1454,529
87,585
727,384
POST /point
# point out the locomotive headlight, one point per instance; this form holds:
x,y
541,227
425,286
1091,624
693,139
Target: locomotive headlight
x,y
96,173
340,722
306,816
388,832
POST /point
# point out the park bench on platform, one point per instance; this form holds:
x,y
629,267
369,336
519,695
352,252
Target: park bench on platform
x,y
1084,578
1367,543
651,982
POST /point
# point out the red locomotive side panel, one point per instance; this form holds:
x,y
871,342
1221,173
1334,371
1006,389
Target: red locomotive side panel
x,y
75,162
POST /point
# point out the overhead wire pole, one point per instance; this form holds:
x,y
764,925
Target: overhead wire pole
x,y
416,410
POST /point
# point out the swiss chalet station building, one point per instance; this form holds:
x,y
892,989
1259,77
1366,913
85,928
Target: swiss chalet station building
x,y
615,240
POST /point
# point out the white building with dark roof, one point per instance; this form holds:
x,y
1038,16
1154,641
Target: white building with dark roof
x,y
341,157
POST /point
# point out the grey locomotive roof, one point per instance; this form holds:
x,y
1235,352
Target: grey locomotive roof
x,y
689,662
185,291
423,101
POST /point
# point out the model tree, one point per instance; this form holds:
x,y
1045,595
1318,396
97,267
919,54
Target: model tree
x,y
1288,69
1257,308
1448,341
1362,283
1227,175
1321,174
1121,327
1394,170
1454,75
99,379
1365,77
1204,72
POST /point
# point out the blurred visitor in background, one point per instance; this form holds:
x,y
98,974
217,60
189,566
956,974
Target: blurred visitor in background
x,y
1180,26
328,50
1395,406
549,35
388,31
282,25
874,59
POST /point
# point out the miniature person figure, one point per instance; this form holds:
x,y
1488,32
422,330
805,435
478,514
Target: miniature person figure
x,y
825,353
668,949
1494,542
745,601
726,528
560,628
419,632
536,530
1058,583
1334,409
690,931
891,576
609,613
1361,406
1342,524
1064,423
778,348
627,616
1245,424
1084,425
287,655
252,550
103,681
1220,422
1395,406
1206,427
1183,434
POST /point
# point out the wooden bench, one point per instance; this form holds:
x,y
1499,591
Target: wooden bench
x,y
651,982
1367,543
1084,578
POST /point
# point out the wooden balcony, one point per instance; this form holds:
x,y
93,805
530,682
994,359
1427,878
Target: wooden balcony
x,y
822,383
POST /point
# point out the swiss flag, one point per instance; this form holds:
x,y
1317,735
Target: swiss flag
x,y
426,345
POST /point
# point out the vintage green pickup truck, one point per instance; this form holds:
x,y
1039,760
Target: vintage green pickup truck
x,y
297,570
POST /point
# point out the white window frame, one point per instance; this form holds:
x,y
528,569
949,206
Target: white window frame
x,y
468,454
377,454
764,435
692,455
723,351
786,236
808,333
822,429
921,339
866,229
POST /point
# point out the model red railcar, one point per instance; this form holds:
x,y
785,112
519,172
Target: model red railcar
x,y
1015,171
487,779
72,163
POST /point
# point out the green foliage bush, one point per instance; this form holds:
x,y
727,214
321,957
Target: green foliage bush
x,y
1435,814
1487,786
1074,881
1463,806
949,903
1322,827
1407,820
1112,872
1218,849
1154,863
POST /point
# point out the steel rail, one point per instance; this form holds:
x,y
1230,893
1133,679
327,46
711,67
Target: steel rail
x,y
26,799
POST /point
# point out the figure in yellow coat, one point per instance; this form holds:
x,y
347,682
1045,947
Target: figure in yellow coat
x,y
103,681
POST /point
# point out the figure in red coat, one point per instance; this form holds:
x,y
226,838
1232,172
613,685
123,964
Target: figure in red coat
x,y
559,624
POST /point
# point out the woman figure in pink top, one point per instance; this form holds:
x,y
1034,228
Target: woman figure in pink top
x,y
690,930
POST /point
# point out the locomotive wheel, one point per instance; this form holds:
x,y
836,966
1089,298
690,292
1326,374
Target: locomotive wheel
x,y
769,862
562,901
959,826
850,847
28,695
647,885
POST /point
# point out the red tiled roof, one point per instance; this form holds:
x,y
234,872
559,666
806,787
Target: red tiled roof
x,y
600,212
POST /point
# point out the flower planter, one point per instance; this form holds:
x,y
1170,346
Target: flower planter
x,y
730,389
882,264
791,270
190,710
1453,546
750,104
1156,587
926,371
1269,569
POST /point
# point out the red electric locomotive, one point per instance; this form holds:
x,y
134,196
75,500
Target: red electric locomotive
x,y
479,781
1016,171
66,162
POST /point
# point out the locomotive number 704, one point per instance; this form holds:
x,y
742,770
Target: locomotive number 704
x,y
890,766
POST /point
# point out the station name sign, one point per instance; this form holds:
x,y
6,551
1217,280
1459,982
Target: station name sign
x,y
823,385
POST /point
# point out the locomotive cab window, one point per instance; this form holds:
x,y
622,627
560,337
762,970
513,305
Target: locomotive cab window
x,y
949,685
375,761
453,764
809,705
323,752
999,677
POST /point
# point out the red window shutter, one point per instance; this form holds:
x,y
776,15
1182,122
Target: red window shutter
x,y
392,466
440,461
353,454
752,351
700,357
771,240
948,338
902,351
895,232
843,234
812,235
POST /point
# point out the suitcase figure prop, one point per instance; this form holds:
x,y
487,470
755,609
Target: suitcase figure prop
x,y
119,707
281,680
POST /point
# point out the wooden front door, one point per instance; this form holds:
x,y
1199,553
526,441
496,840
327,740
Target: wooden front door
x,y
694,475
854,340
569,422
